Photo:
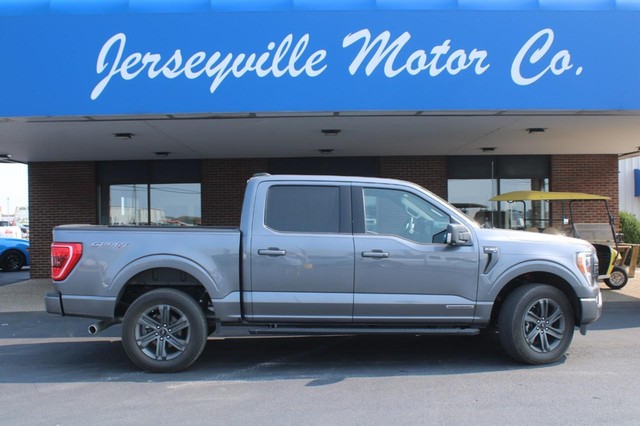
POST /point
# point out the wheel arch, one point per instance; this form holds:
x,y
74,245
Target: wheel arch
x,y
536,276
166,271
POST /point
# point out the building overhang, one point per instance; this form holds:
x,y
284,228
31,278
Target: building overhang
x,y
229,78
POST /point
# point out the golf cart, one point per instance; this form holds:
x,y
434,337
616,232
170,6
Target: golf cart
x,y
601,235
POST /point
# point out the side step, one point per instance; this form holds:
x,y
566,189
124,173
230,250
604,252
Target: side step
x,y
361,330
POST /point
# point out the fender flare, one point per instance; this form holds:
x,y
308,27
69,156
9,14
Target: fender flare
x,y
533,266
165,261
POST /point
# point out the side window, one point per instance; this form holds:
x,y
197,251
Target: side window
x,y
303,208
406,215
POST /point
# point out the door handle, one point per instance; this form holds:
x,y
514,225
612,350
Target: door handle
x,y
272,251
375,254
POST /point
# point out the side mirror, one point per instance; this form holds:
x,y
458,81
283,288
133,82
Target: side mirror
x,y
458,235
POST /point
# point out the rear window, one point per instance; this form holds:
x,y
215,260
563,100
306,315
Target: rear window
x,y
303,208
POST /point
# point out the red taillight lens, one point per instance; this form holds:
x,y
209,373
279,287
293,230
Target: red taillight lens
x,y
64,257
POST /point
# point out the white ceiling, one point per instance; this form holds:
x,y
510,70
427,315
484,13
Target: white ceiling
x,y
299,135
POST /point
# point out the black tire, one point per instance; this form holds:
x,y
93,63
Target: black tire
x,y
12,261
536,324
149,333
618,278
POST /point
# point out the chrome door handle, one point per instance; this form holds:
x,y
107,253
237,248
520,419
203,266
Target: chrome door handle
x,y
272,251
375,254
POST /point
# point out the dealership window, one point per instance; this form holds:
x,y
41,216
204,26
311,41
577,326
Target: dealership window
x,y
160,193
473,180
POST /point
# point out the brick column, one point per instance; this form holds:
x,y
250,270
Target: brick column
x,y
59,193
591,174
223,185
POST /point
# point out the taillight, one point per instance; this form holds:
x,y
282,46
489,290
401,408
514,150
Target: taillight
x,y
64,257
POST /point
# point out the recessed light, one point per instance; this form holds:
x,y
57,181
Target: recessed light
x,y
331,132
124,135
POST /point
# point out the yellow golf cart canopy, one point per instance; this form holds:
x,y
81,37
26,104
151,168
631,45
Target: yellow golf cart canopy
x,y
546,196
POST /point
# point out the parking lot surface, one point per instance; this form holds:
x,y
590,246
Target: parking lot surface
x,y
54,372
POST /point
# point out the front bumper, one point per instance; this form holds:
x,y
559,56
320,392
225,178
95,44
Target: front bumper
x,y
591,309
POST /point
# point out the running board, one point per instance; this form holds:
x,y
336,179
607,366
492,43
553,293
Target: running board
x,y
364,330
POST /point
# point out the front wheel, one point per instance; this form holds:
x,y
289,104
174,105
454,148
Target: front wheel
x,y
617,279
536,324
164,330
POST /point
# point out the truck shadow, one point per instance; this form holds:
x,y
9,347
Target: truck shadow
x,y
320,360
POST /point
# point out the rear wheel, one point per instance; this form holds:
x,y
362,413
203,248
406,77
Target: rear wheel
x,y
164,330
12,261
536,324
618,278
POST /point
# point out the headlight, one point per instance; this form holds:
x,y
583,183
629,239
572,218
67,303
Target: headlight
x,y
587,263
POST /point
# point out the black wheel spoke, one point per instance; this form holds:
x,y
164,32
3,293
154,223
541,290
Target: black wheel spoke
x,y
543,324
146,320
145,340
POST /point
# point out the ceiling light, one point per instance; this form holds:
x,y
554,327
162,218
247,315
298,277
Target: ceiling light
x,y
488,149
536,130
125,135
331,132
326,151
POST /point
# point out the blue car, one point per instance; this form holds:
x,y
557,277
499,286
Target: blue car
x,y
14,254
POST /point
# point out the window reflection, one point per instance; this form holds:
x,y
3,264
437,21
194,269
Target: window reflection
x,y
472,196
175,204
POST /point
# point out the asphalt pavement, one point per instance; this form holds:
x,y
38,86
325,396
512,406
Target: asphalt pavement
x,y
54,372
7,278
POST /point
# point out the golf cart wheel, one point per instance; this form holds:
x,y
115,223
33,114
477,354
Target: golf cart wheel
x,y
617,279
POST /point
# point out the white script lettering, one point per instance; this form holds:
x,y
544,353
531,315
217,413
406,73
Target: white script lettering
x,y
559,63
287,59
417,62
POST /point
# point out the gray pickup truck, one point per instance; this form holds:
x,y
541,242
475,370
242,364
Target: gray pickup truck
x,y
325,255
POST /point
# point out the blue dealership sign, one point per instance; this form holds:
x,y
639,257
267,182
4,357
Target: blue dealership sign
x,y
366,60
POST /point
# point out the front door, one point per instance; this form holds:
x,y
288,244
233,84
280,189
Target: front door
x,y
405,273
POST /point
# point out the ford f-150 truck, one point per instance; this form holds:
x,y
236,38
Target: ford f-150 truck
x,y
325,255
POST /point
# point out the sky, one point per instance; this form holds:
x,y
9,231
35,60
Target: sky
x,y
13,187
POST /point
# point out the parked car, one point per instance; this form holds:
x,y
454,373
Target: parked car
x,y
8,230
14,254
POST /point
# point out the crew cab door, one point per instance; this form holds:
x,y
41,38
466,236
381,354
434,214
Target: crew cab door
x,y
302,255
405,272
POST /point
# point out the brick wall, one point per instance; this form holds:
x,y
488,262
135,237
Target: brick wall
x,y
429,172
59,193
592,174
62,193
223,185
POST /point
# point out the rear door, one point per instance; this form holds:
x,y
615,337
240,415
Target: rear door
x,y
302,254
404,270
